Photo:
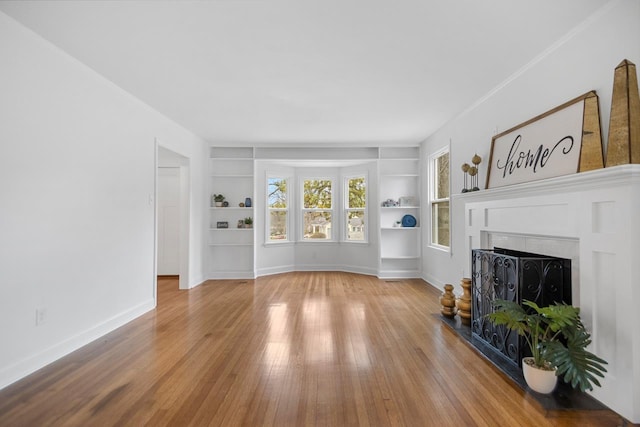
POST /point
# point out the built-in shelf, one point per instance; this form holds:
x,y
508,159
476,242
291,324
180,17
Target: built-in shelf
x,y
400,228
231,250
399,178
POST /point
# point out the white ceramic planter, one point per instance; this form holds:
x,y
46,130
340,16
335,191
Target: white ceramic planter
x,y
539,380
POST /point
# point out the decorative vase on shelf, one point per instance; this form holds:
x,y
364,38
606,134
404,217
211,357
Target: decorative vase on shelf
x,y
247,202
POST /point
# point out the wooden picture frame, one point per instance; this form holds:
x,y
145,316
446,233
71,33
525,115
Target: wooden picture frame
x,y
562,141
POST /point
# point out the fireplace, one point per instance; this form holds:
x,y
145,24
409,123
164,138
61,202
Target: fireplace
x,y
514,276
592,219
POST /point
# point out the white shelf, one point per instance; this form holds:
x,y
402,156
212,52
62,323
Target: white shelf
x,y
400,175
231,208
230,244
230,229
400,228
399,207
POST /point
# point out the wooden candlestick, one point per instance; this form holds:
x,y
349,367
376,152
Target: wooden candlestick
x,y
448,301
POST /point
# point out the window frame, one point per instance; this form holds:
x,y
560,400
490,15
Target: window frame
x,y
268,240
346,209
434,200
332,210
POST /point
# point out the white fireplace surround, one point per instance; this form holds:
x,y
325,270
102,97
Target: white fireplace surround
x,y
593,218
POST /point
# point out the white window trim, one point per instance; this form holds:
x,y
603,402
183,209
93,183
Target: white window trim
x,y
432,199
335,227
267,222
346,209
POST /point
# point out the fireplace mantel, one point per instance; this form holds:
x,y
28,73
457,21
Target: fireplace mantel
x,y
592,218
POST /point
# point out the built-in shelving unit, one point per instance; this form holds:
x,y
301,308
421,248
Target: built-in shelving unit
x,y
231,250
399,180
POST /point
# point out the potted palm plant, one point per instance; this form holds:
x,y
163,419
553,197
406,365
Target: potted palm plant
x,y
558,342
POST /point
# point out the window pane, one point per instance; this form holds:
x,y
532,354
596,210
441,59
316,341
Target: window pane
x,y
442,177
277,225
355,225
440,224
277,193
317,194
317,225
357,193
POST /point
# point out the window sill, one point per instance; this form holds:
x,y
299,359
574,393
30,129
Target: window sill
x,y
440,248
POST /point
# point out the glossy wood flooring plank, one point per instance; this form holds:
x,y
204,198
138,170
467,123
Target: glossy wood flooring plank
x,y
296,349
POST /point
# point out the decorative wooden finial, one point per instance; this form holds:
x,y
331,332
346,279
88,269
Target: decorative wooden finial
x,y
624,125
448,301
463,304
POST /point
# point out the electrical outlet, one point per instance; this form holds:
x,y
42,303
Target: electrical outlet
x,y
41,316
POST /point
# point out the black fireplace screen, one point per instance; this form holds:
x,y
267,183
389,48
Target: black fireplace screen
x,y
514,276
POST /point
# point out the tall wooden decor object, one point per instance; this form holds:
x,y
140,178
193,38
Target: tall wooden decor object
x,y
624,125
591,154
448,301
463,303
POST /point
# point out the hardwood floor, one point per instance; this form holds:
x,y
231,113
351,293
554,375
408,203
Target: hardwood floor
x,y
297,349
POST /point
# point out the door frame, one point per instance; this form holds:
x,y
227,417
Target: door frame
x,y
184,215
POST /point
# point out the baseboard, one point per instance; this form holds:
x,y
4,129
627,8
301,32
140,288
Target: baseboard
x,y
197,282
358,270
314,267
269,271
21,369
225,275
399,274
432,281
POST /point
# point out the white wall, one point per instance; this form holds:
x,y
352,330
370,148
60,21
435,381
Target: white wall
x,y
77,240
584,60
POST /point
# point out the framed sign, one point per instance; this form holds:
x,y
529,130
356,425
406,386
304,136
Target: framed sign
x,y
222,224
561,141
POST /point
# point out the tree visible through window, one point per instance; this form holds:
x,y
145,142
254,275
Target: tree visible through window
x,y
278,208
317,209
439,193
356,208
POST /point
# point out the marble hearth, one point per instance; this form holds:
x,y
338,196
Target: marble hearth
x,y
593,218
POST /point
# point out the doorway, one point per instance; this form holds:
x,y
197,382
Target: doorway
x,y
172,216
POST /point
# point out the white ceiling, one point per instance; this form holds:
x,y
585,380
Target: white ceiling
x,y
357,72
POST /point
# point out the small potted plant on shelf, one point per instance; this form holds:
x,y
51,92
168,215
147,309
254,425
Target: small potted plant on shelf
x,y
557,340
248,222
218,199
